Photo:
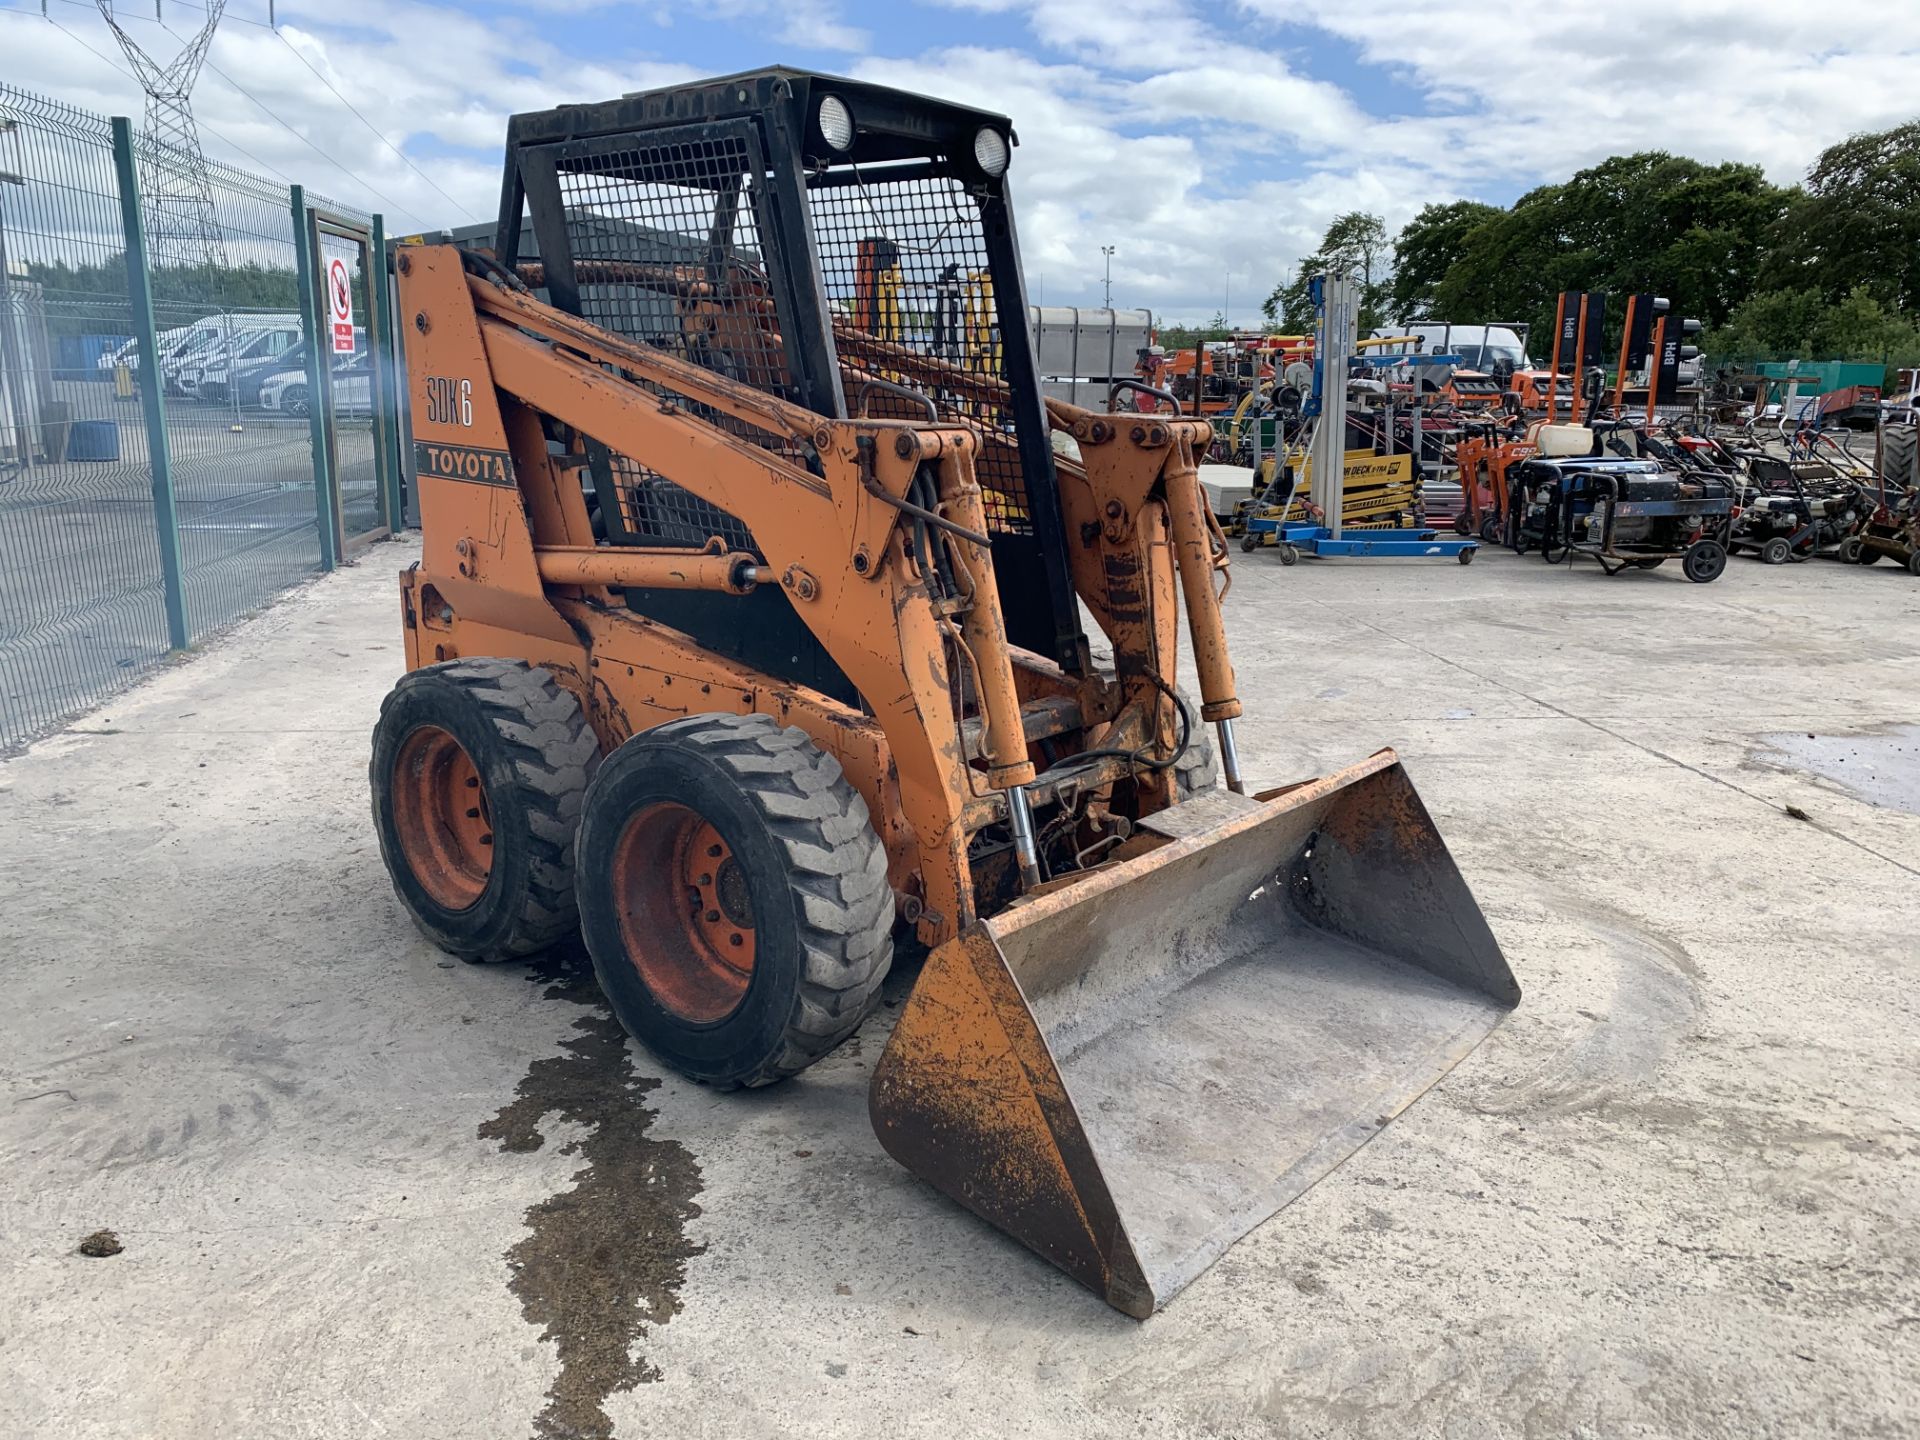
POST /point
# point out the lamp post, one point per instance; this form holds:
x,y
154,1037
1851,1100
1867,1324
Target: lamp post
x,y
1107,251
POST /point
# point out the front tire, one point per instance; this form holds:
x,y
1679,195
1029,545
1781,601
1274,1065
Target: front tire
x,y
734,897
478,772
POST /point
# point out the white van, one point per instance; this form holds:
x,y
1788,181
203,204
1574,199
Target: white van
x,y
1480,347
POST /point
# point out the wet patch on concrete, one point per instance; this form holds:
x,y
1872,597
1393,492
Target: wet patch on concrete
x,y
1882,768
604,1260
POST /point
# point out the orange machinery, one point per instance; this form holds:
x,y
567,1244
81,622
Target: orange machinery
x,y
746,641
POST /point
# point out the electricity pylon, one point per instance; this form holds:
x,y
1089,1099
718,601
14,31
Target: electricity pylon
x,y
177,197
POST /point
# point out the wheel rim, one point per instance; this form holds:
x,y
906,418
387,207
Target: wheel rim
x,y
441,814
685,912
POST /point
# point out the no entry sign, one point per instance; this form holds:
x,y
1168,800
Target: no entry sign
x,y
340,305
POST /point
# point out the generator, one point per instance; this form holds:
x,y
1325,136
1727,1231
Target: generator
x,y
1624,514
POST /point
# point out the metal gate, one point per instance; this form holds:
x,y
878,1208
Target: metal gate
x,y
350,378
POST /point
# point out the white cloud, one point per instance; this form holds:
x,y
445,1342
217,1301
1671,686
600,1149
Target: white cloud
x,y
1189,137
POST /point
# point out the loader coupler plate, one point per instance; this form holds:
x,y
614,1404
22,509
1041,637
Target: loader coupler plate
x,y
1130,1073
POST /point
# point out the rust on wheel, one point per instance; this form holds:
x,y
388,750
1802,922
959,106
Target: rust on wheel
x,y
685,913
440,813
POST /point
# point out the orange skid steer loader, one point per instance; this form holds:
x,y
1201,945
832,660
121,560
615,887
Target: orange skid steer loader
x,y
746,640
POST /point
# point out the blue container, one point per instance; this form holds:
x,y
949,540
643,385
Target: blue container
x,y
94,440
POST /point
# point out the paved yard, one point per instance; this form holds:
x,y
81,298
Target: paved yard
x,y
365,1191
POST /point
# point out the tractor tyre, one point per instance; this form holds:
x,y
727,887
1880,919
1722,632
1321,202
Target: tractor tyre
x,y
478,772
1704,560
734,897
1777,550
1198,768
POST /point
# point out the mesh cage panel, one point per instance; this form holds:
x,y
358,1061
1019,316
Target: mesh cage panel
x,y
665,242
654,508
903,258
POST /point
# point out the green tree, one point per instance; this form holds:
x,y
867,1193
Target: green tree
x,y
1426,250
1858,223
1355,242
1803,324
1646,222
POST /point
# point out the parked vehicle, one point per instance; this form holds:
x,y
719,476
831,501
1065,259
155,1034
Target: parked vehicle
x,y
288,393
211,380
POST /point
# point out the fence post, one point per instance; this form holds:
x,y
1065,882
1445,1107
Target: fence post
x,y
318,363
385,377
166,519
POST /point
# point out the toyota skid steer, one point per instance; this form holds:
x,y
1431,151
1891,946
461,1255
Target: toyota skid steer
x,y
746,641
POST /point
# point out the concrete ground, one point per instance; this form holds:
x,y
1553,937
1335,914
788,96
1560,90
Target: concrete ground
x,y
365,1191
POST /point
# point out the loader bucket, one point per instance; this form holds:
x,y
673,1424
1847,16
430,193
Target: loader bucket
x,y
1130,1073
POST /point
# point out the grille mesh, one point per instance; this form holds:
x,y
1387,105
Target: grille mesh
x,y
903,258
665,242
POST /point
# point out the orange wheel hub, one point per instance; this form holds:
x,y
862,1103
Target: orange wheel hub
x,y
686,917
440,812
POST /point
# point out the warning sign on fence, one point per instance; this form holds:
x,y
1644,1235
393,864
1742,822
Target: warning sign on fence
x,y
340,305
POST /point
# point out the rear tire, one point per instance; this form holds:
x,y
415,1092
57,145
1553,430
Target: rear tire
x,y
749,971
478,772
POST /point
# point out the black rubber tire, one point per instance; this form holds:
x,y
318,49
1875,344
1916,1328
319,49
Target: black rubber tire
x,y
1198,768
1249,542
1777,550
1490,529
1848,551
1650,564
1868,555
1462,523
1289,553
1466,555
1913,562
1704,561
535,753
813,866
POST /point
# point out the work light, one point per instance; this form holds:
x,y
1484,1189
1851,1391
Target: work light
x,y
836,122
990,151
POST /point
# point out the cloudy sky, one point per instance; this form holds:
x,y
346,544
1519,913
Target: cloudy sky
x,y
1208,143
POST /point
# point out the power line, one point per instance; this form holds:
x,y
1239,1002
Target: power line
x,y
370,126
108,59
398,208
395,204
